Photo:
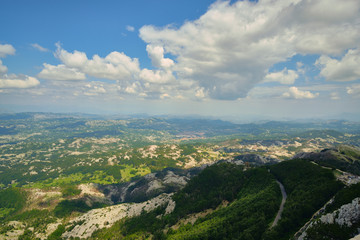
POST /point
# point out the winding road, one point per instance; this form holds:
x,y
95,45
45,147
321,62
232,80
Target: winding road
x,y
284,196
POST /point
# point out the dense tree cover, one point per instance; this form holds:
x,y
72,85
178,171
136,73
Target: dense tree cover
x,y
254,195
335,231
247,217
56,235
309,187
66,207
207,190
343,157
344,196
324,231
70,190
11,200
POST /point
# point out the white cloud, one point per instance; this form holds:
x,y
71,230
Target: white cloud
x,y
200,93
130,28
243,40
345,69
115,66
226,52
94,89
38,47
6,49
132,89
156,76
284,77
354,90
156,54
60,72
14,81
295,93
3,69
164,96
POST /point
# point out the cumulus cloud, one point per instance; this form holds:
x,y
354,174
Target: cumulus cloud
x,y
115,66
14,81
60,72
200,93
343,70
94,89
38,47
295,93
228,50
156,54
284,77
354,90
132,89
164,96
6,49
3,69
156,76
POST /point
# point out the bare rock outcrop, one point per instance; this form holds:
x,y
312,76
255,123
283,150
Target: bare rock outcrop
x,y
84,226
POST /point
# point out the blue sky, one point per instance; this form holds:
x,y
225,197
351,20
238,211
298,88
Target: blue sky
x,y
270,59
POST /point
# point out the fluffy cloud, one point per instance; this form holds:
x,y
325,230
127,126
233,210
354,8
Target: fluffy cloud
x,y
295,93
115,66
18,82
354,90
132,89
94,89
284,77
345,69
156,54
6,49
228,50
3,69
200,93
60,72
157,76
13,81
38,47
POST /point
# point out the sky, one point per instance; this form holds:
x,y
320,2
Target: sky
x,y
241,60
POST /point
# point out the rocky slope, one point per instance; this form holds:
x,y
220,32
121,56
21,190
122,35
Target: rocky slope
x,y
346,217
345,158
256,159
166,181
85,225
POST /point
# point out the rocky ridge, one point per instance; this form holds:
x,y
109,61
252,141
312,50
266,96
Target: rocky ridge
x,y
347,215
83,226
151,185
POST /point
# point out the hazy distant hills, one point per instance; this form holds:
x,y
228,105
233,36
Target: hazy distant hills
x,y
195,126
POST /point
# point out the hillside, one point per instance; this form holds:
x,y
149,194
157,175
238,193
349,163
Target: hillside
x,y
92,177
222,202
345,158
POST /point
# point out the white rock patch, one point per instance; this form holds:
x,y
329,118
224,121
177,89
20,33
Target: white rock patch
x,y
106,217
